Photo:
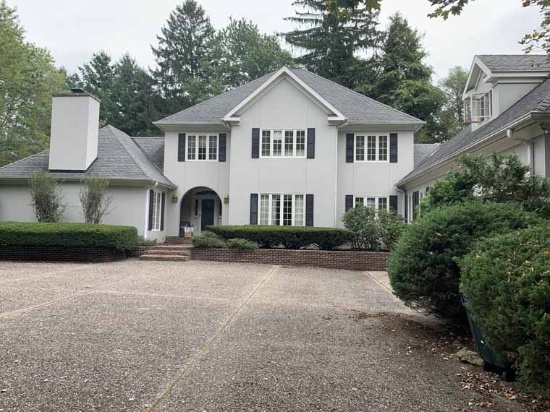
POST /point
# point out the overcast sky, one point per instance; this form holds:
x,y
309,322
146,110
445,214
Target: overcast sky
x,y
73,29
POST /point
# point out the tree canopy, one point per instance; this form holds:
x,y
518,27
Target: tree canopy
x,y
28,78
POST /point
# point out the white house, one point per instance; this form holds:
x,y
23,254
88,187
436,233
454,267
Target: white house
x,y
507,111
290,148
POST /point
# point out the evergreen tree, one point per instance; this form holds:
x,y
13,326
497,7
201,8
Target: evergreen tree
x,y
135,98
331,34
184,58
404,80
244,54
129,101
28,78
98,77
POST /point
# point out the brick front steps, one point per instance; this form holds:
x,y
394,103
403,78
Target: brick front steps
x,y
167,252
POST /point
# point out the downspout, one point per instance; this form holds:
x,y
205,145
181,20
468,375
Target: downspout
x,y
530,148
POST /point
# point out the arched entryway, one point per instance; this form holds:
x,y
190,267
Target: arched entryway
x,y
200,207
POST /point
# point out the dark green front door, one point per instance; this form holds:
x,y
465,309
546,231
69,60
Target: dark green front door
x,y
207,213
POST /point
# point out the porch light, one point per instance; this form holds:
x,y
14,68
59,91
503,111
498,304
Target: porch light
x,y
175,199
226,198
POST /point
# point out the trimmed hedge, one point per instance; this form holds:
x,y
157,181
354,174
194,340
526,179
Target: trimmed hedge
x,y
506,279
423,267
241,244
68,235
291,237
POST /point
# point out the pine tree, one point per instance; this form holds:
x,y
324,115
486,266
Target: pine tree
x,y
245,54
97,77
404,80
331,34
135,98
184,58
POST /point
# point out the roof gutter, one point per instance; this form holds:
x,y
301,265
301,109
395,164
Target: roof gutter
x,y
535,116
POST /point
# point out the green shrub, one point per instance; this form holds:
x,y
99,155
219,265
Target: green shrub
x,y
391,228
95,204
423,267
46,197
292,237
242,244
361,221
68,235
146,242
208,240
507,281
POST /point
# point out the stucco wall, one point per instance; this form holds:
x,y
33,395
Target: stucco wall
x,y
376,179
191,174
283,107
127,208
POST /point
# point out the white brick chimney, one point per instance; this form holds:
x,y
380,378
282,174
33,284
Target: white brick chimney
x,y
75,126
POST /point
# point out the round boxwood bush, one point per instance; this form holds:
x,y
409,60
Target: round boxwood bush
x,y
506,279
208,240
241,244
423,267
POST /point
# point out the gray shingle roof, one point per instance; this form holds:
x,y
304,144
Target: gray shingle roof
x,y
423,150
516,62
534,101
118,158
153,148
358,108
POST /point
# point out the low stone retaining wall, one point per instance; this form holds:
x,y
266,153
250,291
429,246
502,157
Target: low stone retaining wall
x,y
59,254
332,259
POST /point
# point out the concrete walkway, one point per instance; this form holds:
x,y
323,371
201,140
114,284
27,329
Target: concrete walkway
x,y
199,336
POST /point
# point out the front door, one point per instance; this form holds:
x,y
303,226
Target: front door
x,y
207,213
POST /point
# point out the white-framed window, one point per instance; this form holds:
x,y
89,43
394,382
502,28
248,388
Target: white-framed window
x,y
371,148
377,203
202,147
283,143
478,107
157,210
282,209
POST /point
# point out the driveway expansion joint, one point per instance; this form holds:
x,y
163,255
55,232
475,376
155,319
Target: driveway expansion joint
x,y
206,348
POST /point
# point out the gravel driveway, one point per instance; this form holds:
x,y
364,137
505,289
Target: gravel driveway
x,y
201,336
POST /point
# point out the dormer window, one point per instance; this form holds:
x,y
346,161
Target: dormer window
x,y
478,107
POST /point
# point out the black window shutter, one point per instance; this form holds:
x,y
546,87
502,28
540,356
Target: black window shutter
x,y
309,210
254,208
349,147
311,143
393,203
393,147
349,202
151,205
255,143
222,147
406,207
162,211
181,147
416,201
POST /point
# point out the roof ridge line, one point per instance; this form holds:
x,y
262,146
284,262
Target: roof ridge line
x,y
216,96
125,147
360,94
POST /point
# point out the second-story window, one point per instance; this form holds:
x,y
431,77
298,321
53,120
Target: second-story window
x,y
371,148
478,107
202,147
283,143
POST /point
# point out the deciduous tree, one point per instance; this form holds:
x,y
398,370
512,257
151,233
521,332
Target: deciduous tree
x,y
245,54
28,78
